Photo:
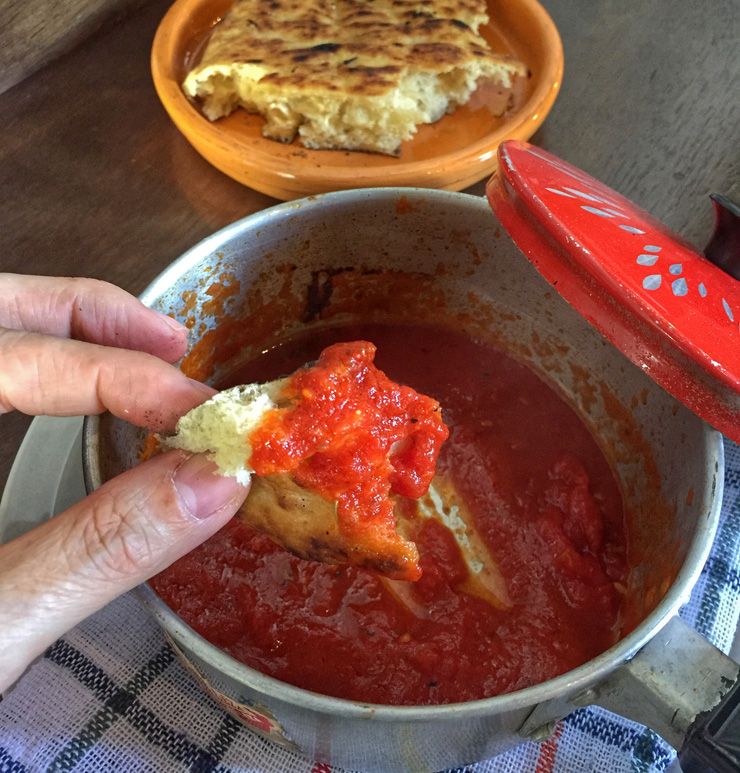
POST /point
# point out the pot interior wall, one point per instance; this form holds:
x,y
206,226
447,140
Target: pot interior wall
x,y
442,259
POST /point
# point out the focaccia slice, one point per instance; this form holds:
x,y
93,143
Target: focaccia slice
x,y
351,74
329,445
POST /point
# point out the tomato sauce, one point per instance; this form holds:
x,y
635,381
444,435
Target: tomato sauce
x,y
545,503
352,436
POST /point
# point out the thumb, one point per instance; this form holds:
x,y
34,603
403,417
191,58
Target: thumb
x,y
127,530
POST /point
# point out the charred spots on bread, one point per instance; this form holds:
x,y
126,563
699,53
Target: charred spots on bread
x,y
328,47
438,52
319,550
378,78
304,54
383,565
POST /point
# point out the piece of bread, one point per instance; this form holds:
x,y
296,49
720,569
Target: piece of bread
x,y
332,411
220,427
351,74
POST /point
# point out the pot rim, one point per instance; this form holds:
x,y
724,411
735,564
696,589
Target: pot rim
x,y
567,684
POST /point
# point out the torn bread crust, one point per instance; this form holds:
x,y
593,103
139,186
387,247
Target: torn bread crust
x,y
351,74
306,525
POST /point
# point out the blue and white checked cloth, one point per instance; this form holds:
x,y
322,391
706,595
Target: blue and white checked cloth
x,y
112,696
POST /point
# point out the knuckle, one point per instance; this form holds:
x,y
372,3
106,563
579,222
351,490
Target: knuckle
x,y
20,374
117,535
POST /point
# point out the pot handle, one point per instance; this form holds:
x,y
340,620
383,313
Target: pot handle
x,y
713,741
686,690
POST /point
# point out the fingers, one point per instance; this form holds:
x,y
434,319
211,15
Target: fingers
x,y
129,529
88,310
44,375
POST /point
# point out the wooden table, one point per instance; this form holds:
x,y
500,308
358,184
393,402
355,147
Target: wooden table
x,y
96,181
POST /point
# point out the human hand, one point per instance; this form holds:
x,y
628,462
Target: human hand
x,y
78,346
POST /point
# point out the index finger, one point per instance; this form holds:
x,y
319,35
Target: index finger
x,y
88,310
58,377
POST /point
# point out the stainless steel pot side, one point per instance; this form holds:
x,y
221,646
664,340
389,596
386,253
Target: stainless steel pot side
x,y
453,245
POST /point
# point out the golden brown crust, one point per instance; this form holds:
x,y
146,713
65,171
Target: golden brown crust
x,y
354,46
353,74
305,524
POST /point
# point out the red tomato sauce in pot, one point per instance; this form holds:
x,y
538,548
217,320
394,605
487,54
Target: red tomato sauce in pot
x,y
545,505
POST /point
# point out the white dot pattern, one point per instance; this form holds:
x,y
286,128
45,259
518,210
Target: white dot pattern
x,y
649,254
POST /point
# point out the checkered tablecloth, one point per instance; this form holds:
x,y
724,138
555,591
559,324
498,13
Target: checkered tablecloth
x,y
112,696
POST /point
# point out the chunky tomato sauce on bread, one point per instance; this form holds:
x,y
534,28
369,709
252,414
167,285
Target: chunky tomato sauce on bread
x,y
329,445
353,436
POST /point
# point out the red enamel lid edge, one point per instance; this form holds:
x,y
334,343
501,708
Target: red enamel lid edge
x,y
647,290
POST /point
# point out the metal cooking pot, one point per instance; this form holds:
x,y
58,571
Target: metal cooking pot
x,y
441,257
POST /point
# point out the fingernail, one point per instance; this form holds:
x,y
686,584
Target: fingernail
x,y
173,324
204,388
202,490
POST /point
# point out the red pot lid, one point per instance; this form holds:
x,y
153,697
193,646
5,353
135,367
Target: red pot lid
x,y
647,290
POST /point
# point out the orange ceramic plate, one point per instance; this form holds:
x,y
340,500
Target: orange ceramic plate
x,y
453,153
